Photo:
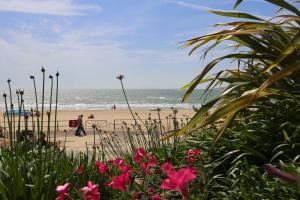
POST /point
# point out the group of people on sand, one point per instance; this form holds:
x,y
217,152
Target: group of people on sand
x,y
80,126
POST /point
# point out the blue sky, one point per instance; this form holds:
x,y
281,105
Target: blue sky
x,y
90,42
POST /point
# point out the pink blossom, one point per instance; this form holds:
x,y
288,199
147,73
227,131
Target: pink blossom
x,y
106,184
193,152
167,167
152,159
193,169
102,168
125,168
146,167
150,189
191,155
143,167
120,182
281,174
63,191
80,169
156,197
117,162
151,163
139,154
177,180
91,191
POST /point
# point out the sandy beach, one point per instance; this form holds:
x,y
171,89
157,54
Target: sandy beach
x,y
106,120
111,115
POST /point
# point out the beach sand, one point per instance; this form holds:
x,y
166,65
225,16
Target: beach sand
x,y
107,120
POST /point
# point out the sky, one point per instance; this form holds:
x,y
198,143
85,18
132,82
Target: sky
x,y
90,42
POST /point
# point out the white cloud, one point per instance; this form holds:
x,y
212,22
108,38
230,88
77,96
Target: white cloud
x,y
49,7
189,5
84,63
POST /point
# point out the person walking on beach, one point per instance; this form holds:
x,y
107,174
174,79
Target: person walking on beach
x,y
80,126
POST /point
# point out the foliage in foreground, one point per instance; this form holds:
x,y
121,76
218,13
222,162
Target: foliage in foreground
x,y
259,107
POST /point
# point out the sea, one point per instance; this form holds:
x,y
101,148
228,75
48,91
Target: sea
x,y
99,99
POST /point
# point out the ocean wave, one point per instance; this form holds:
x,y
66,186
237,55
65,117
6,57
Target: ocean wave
x,y
156,97
84,106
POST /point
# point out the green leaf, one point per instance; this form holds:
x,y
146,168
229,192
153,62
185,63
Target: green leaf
x,y
286,136
238,2
293,44
285,5
236,15
226,122
209,66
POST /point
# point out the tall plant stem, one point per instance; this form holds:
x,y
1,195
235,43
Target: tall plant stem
x,y
12,114
20,109
37,108
135,121
50,107
4,128
43,97
25,115
8,121
55,115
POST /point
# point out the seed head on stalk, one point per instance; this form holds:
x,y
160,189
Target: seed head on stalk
x,y
8,120
37,107
121,77
20,109
25,114
43,97
12,115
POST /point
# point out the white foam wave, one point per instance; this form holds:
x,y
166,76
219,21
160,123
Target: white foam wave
x,y
84,106
157,97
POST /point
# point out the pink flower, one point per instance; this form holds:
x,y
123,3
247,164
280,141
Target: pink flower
x,y
150,189
167,167
156,197
106,184
152,159
143,167
146,167
281,174
191,154
193,169
90,191
63,191
125,168
120,182
139,154
177,180
102,168
80,169
117,162
151,163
